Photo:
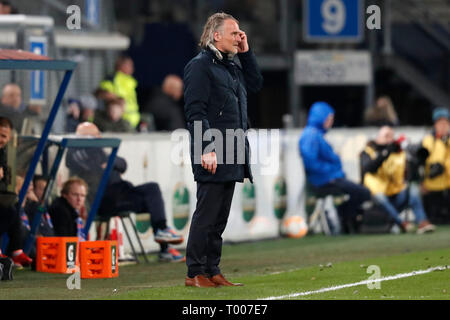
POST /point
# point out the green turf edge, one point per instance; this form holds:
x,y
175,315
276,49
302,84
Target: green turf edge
x,y
429,286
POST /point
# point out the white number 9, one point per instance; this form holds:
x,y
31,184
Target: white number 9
x,y
334,14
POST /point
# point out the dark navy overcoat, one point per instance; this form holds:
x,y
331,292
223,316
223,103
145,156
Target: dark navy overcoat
x,y
215,95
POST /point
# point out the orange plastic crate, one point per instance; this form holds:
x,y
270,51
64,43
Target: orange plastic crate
x,y
57,254
99,259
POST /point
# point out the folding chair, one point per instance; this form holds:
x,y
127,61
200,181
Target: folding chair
x,y
122,215
318,219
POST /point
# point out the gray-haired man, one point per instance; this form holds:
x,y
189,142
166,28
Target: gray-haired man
x,y
216,104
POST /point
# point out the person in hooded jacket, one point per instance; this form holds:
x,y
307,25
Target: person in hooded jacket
x,y
323,167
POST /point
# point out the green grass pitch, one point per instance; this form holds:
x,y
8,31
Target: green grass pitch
x,y
272,268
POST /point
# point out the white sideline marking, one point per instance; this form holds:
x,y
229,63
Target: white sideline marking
x,y
371,281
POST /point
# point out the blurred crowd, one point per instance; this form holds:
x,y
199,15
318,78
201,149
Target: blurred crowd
x,y
114,107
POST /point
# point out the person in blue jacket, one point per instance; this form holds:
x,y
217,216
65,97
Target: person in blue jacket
x,y
323,166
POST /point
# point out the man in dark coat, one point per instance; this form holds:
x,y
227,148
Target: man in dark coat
x,y
216,114
65,210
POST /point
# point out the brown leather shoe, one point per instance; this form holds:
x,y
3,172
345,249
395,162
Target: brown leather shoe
x,y
199,281
220,280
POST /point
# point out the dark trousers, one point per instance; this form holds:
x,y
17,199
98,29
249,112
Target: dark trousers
x,y
204,246
11,224
145,198
351,209
437,206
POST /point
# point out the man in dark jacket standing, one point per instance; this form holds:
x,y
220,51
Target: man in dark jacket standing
x,y
216,114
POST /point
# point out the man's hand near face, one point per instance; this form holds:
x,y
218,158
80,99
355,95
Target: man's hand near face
x,y
243,45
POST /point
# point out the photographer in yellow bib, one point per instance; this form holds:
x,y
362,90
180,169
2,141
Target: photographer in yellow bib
x,y
383,171
436,183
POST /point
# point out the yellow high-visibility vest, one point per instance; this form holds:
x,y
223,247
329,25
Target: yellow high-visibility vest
x,y
439,153
124,85
390,176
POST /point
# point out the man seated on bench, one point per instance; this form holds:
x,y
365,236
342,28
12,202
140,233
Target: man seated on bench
x,y
121,195
65,211
323,166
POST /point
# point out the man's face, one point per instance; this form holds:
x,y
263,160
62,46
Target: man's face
x,y
127,67
228,39
39,188
5,135
442,127
12,96
115,112
76,196
385,136
329,121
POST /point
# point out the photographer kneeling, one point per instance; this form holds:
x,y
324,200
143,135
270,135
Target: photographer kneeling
x,y
383,168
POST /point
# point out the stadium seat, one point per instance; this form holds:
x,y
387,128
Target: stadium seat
x,y
122,215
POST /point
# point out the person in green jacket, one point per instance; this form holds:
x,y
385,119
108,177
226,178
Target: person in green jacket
x,y
123,84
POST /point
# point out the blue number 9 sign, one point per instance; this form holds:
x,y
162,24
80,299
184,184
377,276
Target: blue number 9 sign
x,y
332,20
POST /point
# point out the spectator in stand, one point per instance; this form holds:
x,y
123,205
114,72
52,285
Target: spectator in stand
x,y
65,210
80,110
30,207
110,120
121,195
11,104
5,7
123,84
73,115
39,185
89,105
12,107
164,105
383,168
323,167
383,113
436,184
10,221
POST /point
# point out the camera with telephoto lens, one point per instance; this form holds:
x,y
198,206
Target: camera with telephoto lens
x,y
436,169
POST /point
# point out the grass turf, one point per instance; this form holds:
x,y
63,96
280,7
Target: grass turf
x,y
271,268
